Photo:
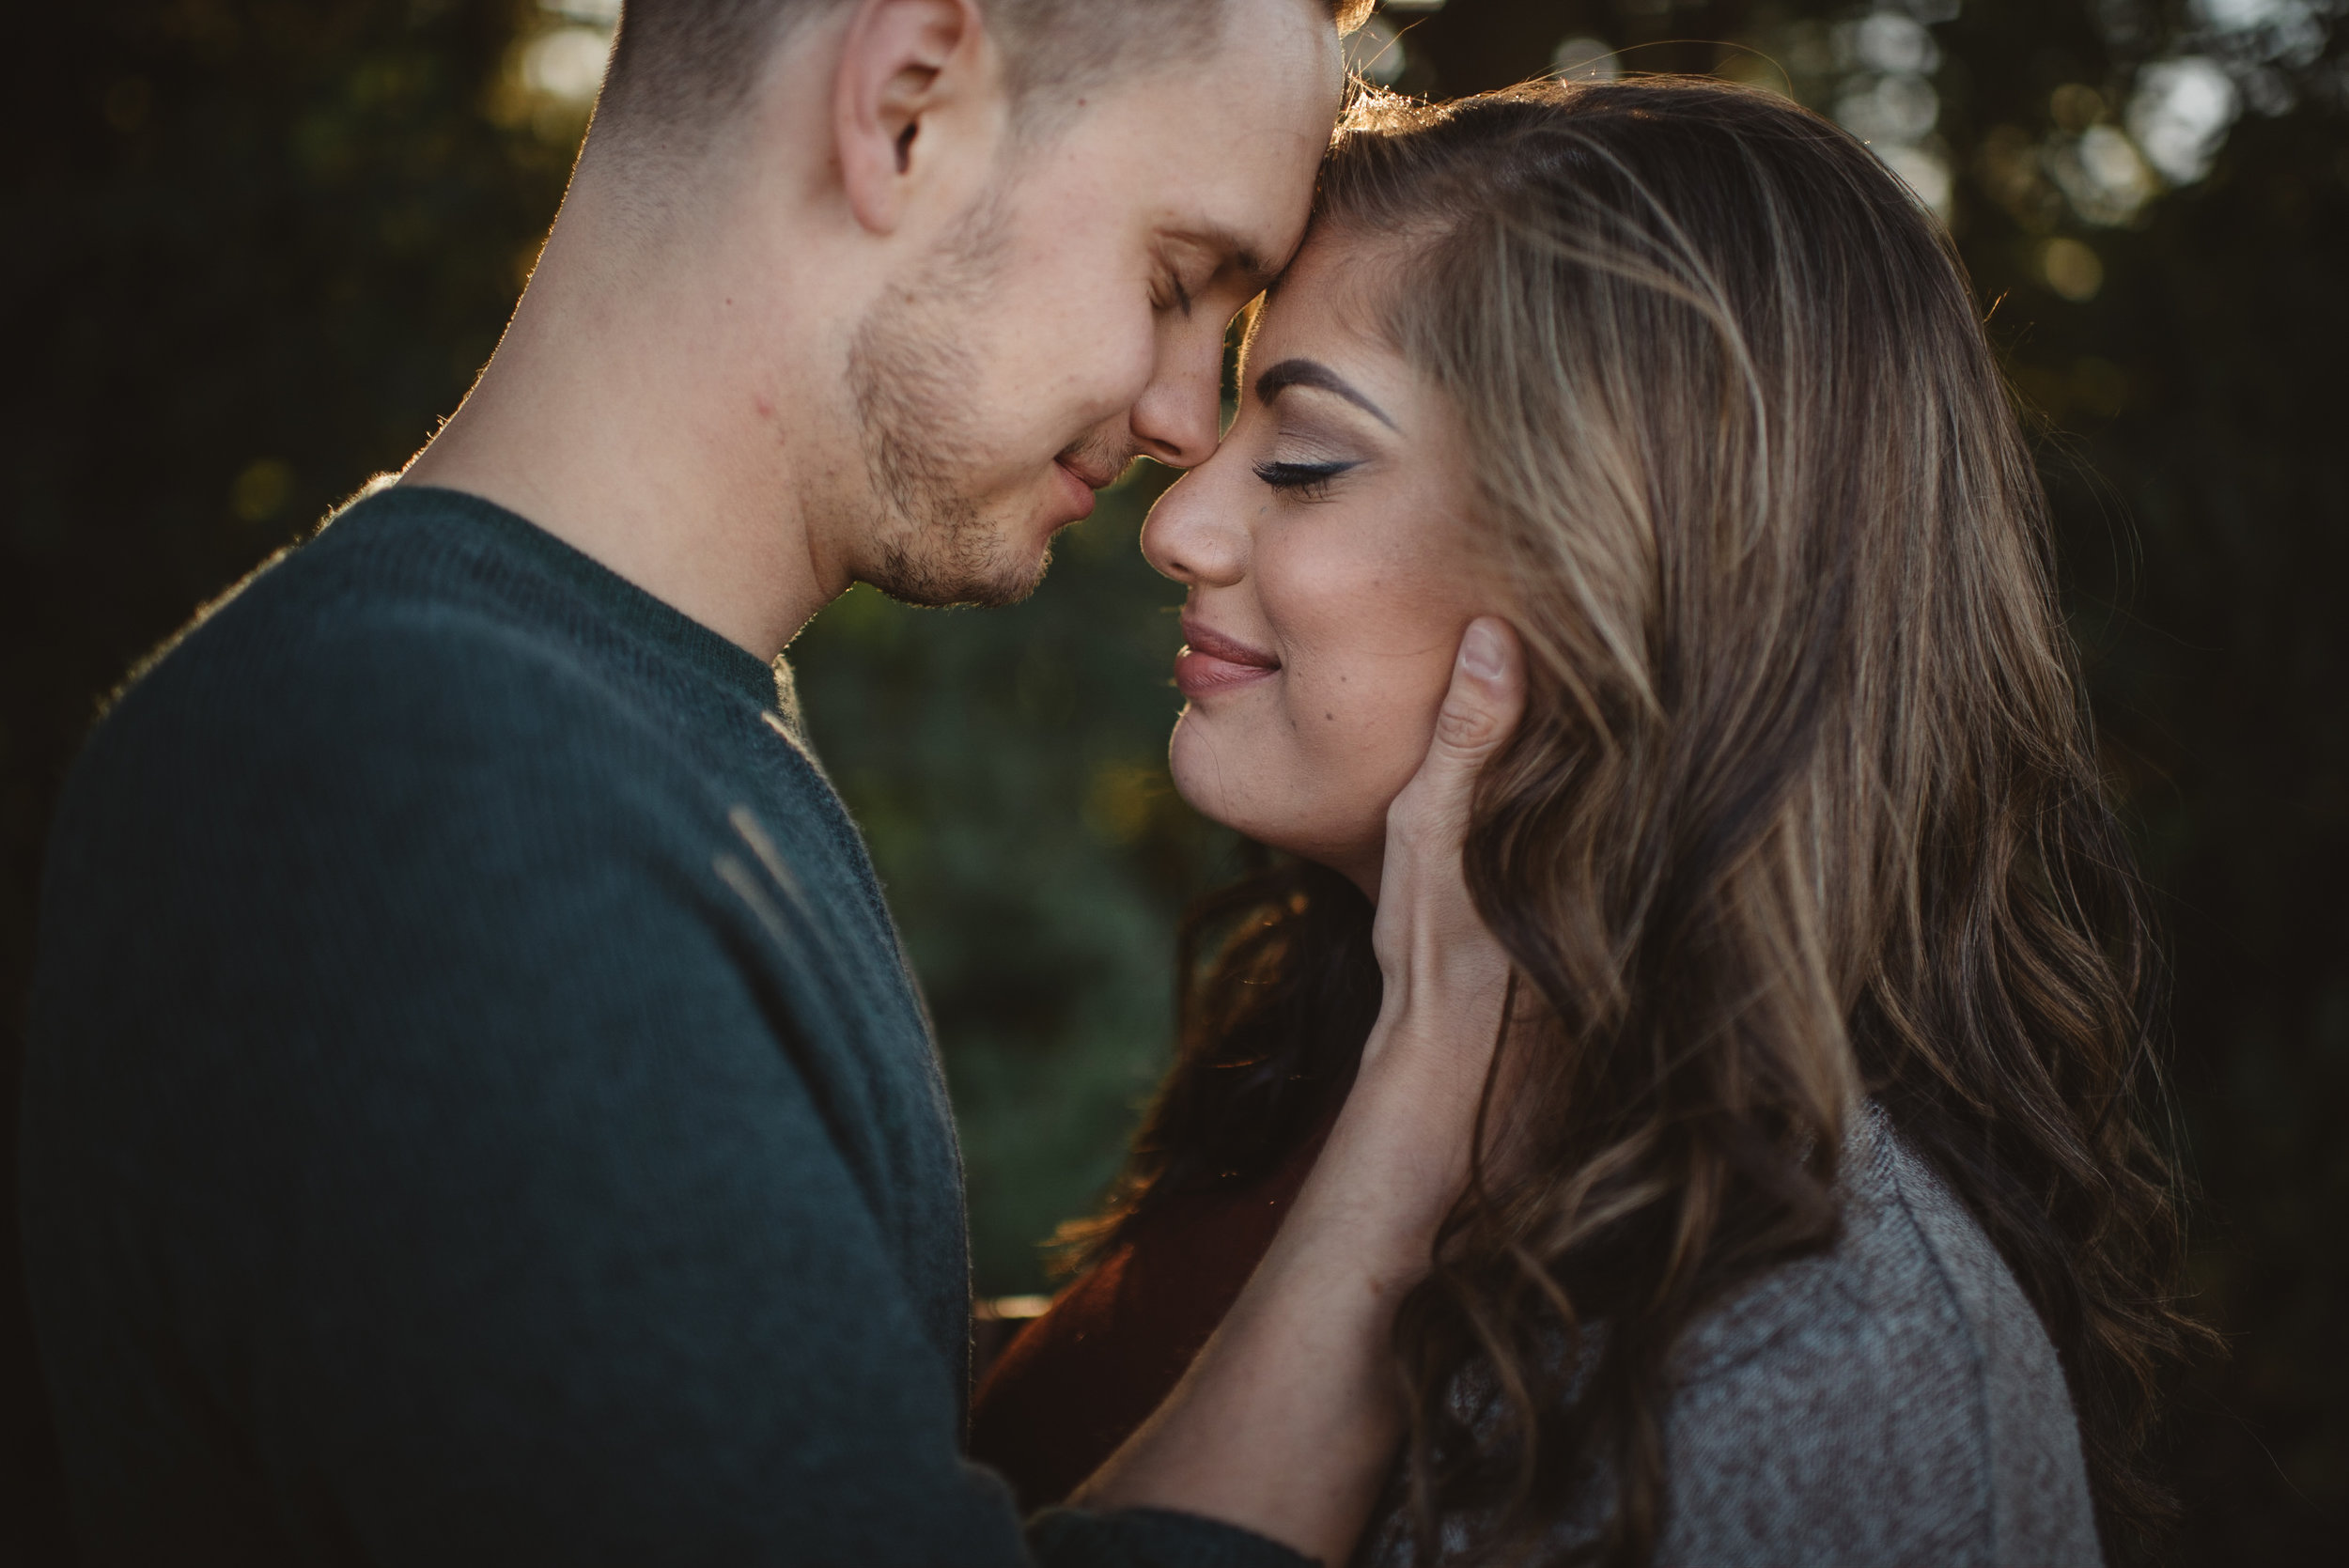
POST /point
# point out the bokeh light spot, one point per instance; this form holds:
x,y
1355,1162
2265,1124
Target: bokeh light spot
x,y
2072,269
1582,59
1374,53
2102,174
2180,114
1888,41
1925,171
2075,107
568,63
261,490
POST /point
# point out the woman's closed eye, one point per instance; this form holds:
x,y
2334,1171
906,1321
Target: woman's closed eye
x,y
1306,481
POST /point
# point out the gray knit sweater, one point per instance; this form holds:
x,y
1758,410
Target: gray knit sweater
x,y
1893,1400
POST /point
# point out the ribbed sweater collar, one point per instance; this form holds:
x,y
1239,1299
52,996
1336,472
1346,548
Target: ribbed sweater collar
x,y
623,603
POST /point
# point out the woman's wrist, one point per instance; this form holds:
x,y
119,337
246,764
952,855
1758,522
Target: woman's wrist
x,y
1399,1155
1439,1016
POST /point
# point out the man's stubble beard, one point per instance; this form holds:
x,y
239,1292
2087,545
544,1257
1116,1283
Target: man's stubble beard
x,y
916,384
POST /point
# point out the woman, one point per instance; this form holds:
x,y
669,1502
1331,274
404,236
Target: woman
x,y
1814,1216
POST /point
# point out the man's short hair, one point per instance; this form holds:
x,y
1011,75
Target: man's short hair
x,y
681,66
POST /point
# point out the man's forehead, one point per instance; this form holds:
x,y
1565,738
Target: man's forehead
x,y
1245,200
1239,137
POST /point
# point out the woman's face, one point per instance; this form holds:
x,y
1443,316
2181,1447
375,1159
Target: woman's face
x,y
1327,548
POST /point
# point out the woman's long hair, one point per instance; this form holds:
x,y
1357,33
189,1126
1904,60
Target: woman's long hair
x,y
1804,807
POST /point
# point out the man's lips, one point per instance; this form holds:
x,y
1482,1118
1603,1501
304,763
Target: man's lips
x,y
1078,490
1094,476
1210,662
1083,482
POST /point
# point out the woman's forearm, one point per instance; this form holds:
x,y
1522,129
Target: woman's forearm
x,y
1288,1421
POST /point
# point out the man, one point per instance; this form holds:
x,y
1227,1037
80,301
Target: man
x,y
477,1110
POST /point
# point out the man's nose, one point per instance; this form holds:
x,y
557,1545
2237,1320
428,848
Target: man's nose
x,y
1176,418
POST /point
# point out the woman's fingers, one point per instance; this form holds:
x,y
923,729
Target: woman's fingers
x,y
1446,975
1430,942
1480,713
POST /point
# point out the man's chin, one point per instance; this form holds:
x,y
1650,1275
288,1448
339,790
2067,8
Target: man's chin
x,y
931,584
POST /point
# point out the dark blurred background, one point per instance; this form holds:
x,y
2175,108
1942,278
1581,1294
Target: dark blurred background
x,y
255,248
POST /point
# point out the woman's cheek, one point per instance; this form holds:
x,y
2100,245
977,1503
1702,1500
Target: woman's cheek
x,y
1348,744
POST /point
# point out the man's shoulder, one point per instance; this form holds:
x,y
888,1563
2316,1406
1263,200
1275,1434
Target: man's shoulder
x,y
361,801
388,590
388,654
364,739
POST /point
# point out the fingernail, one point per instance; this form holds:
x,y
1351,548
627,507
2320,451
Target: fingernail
x,y
1481,653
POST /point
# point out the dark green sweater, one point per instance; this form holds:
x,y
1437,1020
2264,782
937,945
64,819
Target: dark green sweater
x,y
477,1110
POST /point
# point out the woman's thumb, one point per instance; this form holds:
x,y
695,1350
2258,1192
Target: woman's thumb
x,y
1481,709
1478,714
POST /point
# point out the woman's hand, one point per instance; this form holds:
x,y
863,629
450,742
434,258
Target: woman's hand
x,y
1445,974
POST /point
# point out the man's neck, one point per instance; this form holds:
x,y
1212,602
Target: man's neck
x,y
650,424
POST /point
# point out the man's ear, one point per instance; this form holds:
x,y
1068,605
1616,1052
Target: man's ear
x,y
900,61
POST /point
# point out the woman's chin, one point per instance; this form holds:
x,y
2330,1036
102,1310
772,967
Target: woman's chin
x,y
1224,783
1216,807
1232,789
1353,860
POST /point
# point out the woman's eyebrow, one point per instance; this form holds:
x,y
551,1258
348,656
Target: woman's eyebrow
x,y
1279,378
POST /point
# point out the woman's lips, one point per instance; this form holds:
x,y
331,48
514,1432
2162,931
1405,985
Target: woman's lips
x,y
1211,663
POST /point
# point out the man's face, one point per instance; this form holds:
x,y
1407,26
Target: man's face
x,y
1076,318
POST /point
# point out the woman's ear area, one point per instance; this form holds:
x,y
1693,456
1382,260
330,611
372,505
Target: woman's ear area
x,y
904,66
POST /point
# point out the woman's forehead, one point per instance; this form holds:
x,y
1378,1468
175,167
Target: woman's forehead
x,y
1335,305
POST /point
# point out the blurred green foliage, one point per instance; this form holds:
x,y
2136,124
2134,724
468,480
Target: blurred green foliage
x,y
1009,766
256,247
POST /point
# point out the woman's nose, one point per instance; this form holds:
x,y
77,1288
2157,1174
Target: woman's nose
x,y
1193,534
